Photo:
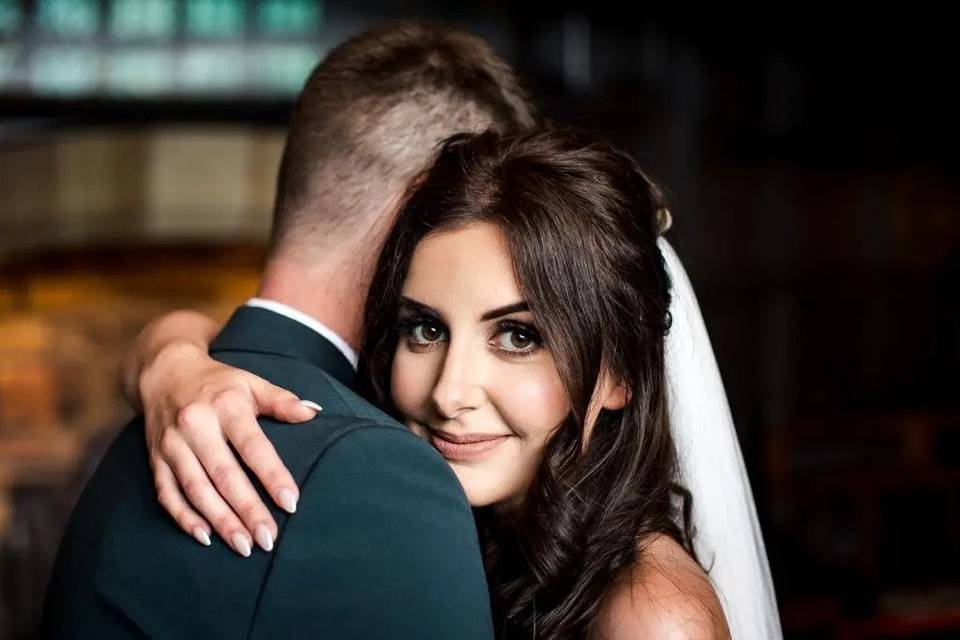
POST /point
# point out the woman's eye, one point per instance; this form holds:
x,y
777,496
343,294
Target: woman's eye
x,y
426,333
517,341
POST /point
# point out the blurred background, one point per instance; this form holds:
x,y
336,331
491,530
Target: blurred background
x,y
812,164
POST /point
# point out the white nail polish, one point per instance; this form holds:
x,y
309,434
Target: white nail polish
x,y
241,545
310,404
264,539
288,501
202,536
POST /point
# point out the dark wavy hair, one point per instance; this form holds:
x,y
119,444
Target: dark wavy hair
x,y
581,221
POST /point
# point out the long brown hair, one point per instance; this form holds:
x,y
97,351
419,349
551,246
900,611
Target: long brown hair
x,y
581,221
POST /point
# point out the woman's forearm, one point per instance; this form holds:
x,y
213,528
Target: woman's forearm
x,y
177,333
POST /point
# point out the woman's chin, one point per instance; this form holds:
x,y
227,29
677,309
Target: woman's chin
x,y
478,500
479,494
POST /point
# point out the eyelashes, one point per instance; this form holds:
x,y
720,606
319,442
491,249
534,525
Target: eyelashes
x,y
511,338
406,324
519,339
420,332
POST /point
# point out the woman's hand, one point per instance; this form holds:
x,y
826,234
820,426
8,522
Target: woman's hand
x,y
194,408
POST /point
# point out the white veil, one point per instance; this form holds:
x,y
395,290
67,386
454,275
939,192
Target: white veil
x,y
727,533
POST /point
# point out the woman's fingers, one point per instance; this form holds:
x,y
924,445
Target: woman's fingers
x,y
174,502
245,434
221,465
190,433
278,403
200,491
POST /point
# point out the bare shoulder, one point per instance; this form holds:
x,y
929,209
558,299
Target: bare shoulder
x,y
666,597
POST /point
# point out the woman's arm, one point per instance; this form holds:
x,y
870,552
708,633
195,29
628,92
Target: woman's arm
x,y
194,408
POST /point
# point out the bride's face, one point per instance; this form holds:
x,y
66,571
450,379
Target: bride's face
x,y
470,374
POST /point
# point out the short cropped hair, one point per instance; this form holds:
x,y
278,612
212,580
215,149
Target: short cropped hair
x,y
371,116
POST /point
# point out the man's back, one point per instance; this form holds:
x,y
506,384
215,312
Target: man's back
x,y
383,543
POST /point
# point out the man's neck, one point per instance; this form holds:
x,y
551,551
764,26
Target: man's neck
x,y
331,293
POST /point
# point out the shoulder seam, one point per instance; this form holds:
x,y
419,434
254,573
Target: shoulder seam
x,y
332,382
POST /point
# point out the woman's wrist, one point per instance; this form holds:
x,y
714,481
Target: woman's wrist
x,y
173,358
159,350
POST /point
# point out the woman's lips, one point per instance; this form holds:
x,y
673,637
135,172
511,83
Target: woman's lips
x,y
464,447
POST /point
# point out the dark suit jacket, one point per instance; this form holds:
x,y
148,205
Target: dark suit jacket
x,y
383,543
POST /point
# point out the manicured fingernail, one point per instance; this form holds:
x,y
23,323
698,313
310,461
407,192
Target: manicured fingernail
x,y
288,501
241,545
264,539
310,404
202,536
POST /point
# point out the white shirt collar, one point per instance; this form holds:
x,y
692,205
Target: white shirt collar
x,y
298,316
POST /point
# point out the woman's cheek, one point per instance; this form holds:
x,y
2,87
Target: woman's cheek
x,y
411,381
531,399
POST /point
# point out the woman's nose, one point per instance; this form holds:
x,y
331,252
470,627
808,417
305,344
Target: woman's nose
x,y
460,387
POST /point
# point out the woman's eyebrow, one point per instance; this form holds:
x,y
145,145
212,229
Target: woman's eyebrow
x,y
502,311
418,308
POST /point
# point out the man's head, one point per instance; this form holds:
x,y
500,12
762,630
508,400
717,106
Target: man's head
x,y
370,117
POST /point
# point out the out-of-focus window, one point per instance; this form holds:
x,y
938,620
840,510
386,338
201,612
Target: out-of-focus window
x,y
162,49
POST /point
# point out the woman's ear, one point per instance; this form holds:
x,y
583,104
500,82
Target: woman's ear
x,y
608,394
612,394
